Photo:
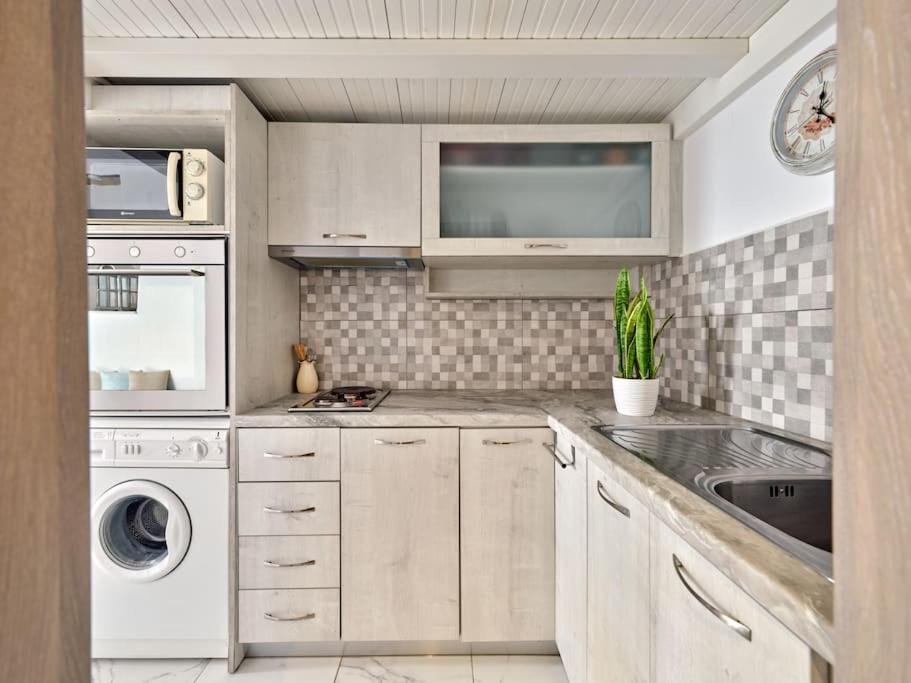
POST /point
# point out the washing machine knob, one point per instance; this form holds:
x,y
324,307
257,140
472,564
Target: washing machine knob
x,y
173,450
198,448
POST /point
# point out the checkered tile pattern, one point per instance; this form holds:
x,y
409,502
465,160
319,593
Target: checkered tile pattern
x,y
753,330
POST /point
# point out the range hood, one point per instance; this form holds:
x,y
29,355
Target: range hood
x,y
349,257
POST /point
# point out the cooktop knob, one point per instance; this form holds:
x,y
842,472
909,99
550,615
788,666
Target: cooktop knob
x,y
195,191
135,251
195,167
180,252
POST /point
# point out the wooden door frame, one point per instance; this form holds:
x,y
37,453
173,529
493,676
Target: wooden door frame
x,y
44,466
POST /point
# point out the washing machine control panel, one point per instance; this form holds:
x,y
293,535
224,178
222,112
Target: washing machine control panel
x,y
159,448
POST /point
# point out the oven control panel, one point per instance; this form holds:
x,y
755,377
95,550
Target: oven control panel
x,y
205,448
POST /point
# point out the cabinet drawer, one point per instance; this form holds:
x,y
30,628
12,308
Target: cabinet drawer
x,y
287,508
289,561
288,454
286,616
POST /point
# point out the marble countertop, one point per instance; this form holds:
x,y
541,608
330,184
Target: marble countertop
x,y
789,589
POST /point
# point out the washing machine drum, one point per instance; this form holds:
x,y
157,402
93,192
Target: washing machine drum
x,y
140,531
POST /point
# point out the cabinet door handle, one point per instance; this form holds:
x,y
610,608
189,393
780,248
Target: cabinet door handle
x,y
267,508
622,509
552,449
283,456
272,617
546,245
413,442
738,627
494,442
335,235
305,563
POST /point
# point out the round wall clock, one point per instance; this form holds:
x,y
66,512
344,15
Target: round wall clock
x,y
803,125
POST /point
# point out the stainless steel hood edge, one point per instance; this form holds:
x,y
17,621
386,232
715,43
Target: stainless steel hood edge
x,y
349,257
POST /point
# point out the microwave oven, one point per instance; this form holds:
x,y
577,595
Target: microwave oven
x,y
139,185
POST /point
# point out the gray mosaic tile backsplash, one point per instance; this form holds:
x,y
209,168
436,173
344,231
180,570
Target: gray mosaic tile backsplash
x,y
752,335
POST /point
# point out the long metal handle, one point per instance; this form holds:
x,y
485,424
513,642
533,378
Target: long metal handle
x,y
413,442
173,202
546,245
552,449
740,628
146,273
494,442
335,235
622,509
305,563
284,456
267,508
272,617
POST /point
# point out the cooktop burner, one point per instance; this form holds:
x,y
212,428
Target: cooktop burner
x,y
343,399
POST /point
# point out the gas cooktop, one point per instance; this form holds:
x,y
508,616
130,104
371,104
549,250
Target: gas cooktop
x,y
342,399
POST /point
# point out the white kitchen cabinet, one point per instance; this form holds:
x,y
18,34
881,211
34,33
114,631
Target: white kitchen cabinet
x,y
707,629
400,534
571,559
618,584
533,191
507,540
341,184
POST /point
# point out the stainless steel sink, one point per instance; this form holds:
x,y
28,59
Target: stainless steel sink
x,y
778,487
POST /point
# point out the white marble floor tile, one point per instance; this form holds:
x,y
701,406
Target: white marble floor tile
x,y
518,669
437,669
145,670
274,670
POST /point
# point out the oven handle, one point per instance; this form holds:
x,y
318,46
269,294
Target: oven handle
x,y
154,273
173,204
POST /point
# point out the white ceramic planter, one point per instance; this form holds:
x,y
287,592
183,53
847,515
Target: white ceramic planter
x,y
635,397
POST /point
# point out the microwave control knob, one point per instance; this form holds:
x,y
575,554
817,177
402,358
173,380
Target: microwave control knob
x,y
195,167
198,448
195,191
135,251
180,252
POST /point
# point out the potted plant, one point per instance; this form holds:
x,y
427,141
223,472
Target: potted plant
x,y
636,380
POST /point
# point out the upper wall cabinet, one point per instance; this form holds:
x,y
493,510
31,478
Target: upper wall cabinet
x,y
334,184
546,190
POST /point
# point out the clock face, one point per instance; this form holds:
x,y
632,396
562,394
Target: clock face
x,y
803,127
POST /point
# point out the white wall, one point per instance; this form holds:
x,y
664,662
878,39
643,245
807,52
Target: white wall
x,y
732,184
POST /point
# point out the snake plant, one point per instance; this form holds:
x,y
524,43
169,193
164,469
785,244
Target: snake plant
x,y
634,326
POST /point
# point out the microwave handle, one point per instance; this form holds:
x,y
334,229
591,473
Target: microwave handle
x,y
173,195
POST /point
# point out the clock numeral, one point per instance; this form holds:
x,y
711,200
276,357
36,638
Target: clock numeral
x,y
804,92
806,148
819,77
822,144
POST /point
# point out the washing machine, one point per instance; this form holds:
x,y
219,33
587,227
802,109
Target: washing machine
x,y
159,538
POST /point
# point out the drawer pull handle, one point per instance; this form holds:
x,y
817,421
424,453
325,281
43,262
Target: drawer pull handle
x,y
267,508
739,628
552,449
622,509
305,563
283,456
494,442
413,442
272,617
546,245
335,235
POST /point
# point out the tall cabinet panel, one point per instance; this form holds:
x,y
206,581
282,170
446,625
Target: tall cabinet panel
x,y
344,184
507,509
400,534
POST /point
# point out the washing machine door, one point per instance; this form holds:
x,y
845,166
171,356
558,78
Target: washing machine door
x,y
140,531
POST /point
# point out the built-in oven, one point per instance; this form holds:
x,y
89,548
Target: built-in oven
x,y
129,185
157,324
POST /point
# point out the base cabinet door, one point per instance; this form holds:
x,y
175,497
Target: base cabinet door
x,y
507,541
706,629
400,534
618,584
571,560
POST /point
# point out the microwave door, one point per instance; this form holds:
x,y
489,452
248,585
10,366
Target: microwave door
x,y
133,184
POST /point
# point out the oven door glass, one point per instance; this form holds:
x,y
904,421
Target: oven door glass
x,y
157,337
132,184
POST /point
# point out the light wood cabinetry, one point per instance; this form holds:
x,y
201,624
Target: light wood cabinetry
x,y
295,454
288,561
618,583
400,534
707,629
282,508
507,539
571,560
335,184
284,616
